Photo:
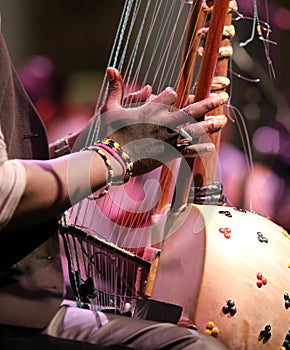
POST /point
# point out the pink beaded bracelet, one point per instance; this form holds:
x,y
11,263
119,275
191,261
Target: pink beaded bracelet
x,y
114,154
117,152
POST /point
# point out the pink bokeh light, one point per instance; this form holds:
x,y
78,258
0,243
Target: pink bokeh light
x,y
281,18
267,140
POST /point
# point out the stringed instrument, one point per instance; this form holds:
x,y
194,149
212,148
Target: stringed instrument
x,y
168,237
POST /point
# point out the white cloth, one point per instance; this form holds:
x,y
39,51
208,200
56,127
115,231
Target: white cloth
x,y
12,184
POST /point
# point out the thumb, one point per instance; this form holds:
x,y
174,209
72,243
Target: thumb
x,y
116,89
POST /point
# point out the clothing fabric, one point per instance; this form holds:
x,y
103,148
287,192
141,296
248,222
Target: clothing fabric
x,y
31,279
12,184
106,330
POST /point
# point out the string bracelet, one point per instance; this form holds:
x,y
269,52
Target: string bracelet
x,y
109,167
118,153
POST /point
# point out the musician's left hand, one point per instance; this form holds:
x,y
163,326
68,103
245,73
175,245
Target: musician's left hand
x,y
150,133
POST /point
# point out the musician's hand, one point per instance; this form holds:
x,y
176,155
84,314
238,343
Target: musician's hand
x,y
149,133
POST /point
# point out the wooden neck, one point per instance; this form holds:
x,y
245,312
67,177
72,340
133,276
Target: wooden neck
x,y
203,170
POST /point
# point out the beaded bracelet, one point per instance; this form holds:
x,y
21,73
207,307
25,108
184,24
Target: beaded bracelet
x,y
116,151
110,170
115,155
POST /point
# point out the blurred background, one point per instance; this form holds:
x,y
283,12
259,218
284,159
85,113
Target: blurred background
x,y
61,49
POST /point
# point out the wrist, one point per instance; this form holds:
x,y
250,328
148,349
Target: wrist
x,y
118,164
117,167
117,152
60,147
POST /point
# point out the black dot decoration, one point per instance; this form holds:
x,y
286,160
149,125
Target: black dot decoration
x,y
240,210
226,213
230,308
286,342
262,238
265,334
287,300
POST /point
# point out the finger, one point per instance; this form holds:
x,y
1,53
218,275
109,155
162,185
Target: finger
x,y
138,96
166,97
190,99
115,91
210,125
198,150
202,107
161,102
152,97
197,109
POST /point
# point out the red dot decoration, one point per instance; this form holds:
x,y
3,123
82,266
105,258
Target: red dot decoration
x,y
261,280
226,231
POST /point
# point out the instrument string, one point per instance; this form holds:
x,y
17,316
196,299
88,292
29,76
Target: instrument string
x,y
175,60
136,220
146,29
163,60
134,50
114,278
95,122
163,13
195,40
136,239
127,76
260,27
126,220
129,33
122,30
160,31
131,63
156,12
163,69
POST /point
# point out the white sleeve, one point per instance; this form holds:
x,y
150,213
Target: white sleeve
x,y
12,184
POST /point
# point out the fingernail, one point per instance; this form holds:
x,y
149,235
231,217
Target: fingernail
x,y
223,96
214,124
210,147
223,120
171,91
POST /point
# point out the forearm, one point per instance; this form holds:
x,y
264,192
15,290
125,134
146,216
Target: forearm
x,y
55,185
12,186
